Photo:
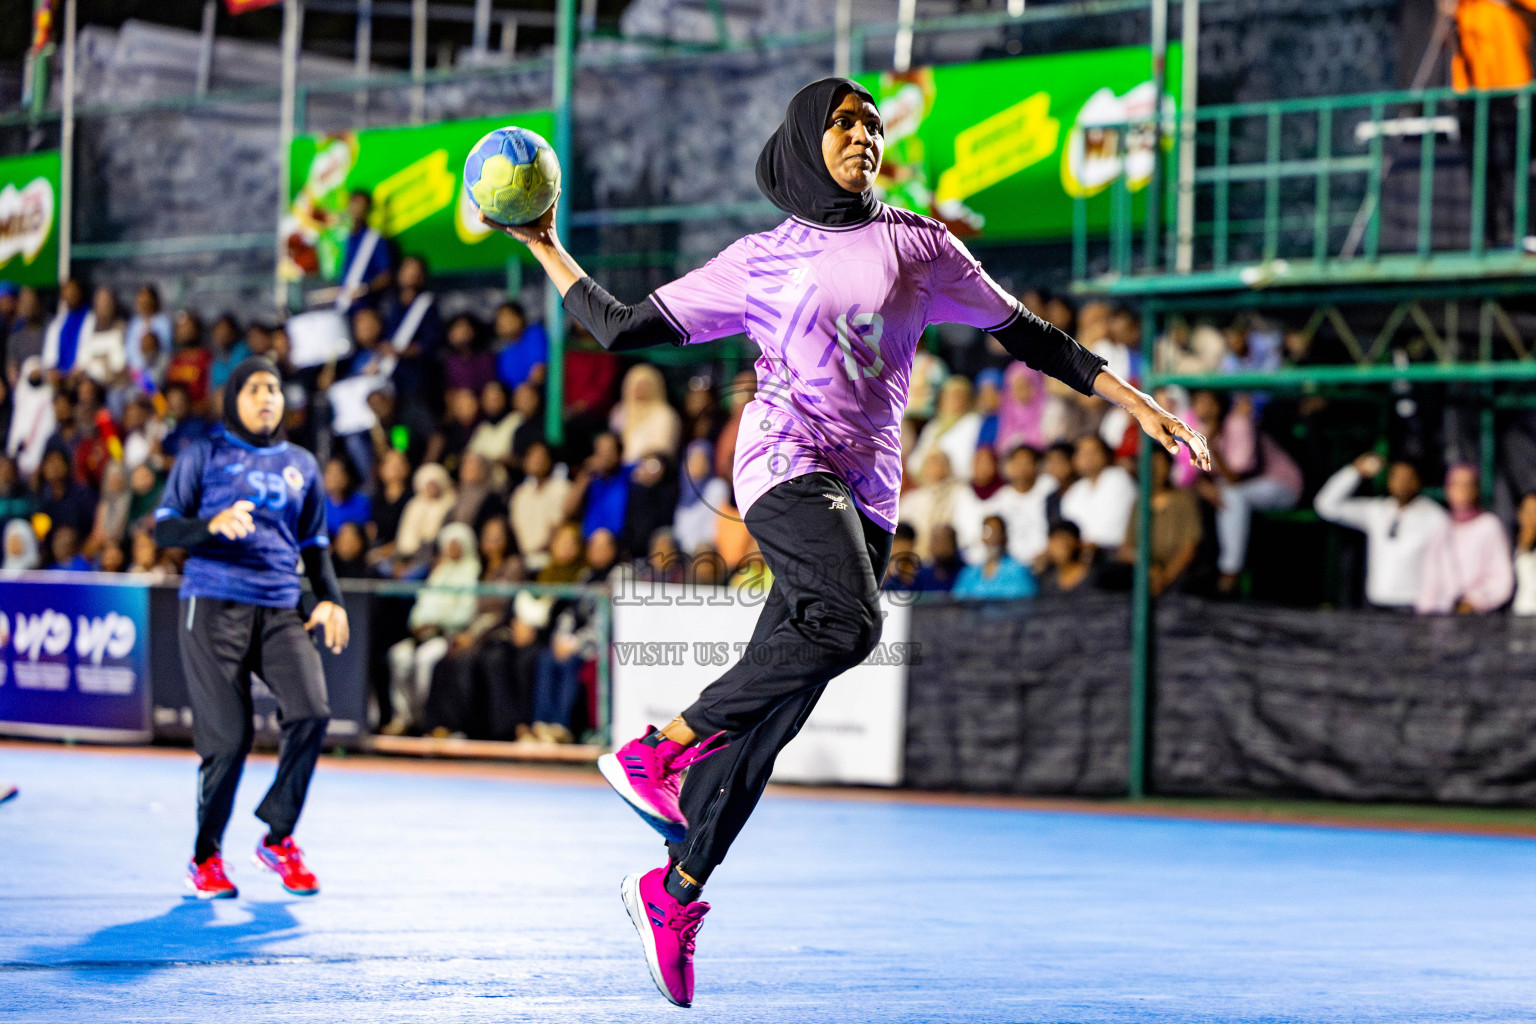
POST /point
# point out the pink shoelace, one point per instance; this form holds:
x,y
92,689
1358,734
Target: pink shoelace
x,y
687,921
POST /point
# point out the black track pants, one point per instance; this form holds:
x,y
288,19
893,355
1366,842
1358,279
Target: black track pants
x,y
821,617
222,643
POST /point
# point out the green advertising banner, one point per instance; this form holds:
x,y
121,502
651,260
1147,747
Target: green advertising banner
x,y
29,219
419,202
1000,149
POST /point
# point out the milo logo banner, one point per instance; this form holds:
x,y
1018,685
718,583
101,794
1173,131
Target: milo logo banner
x,y
415,176
29,219
1001,149
74,659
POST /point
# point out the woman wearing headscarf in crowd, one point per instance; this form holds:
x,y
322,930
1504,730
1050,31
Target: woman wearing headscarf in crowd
x,y
144,490
818,466
538,505
33,422
102,354
148,318
700,496
643,419
22,552
1467,566
989,404
498,422
424,514
444,606
953,430
1021,418
112,511
652,501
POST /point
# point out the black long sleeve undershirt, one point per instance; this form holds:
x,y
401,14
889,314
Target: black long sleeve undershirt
x,y
1049,349
618,326
188,532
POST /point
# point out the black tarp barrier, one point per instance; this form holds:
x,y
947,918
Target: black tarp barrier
x,y
1033,697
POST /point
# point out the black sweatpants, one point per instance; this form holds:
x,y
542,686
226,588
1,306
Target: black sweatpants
x,y
821,617
222,643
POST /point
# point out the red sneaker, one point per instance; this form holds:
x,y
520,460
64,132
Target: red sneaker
x,y
208,880
667,931
287,861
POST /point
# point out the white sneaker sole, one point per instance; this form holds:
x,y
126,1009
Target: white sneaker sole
x,y
618,778
635,907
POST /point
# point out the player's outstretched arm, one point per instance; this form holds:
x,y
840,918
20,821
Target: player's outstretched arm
x,y
1159,424
617,326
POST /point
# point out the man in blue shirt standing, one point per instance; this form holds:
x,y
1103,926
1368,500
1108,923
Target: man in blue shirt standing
x,y
248,507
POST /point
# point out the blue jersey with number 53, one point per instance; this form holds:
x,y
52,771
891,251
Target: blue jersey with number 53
x,y
282,482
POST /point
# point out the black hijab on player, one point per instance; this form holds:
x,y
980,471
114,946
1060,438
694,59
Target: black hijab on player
x,y
791,170
237,378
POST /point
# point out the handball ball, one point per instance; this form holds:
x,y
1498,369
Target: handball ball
x,y
512,175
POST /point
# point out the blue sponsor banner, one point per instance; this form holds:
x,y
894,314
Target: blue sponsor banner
x,y
74,657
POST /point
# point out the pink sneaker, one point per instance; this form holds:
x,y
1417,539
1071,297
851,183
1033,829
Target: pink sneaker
x,y
667,929
650,778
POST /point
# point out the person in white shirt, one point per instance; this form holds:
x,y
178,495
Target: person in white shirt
x,y
953,430
1101,500
1398,528
1525,558
1021,505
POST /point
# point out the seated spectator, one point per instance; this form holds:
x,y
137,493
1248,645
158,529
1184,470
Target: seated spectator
x,y
354,420
651,503
942,568
602,558
901,572
601,492
663,562
477,499
1251,473
61,342
1067,563
989,404
1022,504
102,354
522,349
498,422
557,684
1056,463
26,337
1101,500
642,418
228,350
143,431
953,430
145,488
1467,566
424,515
414,326
539,505
1398,528
344,503
931,505
1021,414
64,501
21,547
185,425
33,420
466,364
154,363
444,607
700,496
148,318
1253,346
145,557
111,558
110,524
997,577
64,544
390,497
528,407
1176,527
16,502
1525,558
565,563
190,362
927,377
452,438
349,550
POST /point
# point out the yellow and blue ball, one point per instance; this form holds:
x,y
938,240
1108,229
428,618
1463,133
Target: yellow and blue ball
x,y
512,175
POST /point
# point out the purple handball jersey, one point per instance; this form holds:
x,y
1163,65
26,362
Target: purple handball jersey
x,y
837,314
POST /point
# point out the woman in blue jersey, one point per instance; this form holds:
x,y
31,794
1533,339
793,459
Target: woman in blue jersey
x,y
248,507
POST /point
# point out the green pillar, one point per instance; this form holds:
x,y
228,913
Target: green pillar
x,y
1141,596
554,312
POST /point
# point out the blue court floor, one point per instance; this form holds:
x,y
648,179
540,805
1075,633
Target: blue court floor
x,y
462,897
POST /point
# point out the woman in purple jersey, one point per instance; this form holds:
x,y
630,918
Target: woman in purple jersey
x,y
836,298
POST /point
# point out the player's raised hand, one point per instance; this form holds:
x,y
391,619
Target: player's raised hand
x,y
234,522
332,619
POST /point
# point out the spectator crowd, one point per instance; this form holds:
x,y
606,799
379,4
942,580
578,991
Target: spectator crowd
x,y
431,429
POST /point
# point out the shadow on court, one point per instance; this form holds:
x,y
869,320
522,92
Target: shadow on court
x,y
189,933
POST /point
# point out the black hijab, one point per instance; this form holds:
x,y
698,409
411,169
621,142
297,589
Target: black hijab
x,y
791,171
237,378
